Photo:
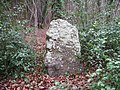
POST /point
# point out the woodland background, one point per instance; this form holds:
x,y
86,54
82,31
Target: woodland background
x,y
98,22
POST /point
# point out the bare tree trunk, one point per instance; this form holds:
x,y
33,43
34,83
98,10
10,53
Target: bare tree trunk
x,y
86,12
35,15
116,12
69,6
103,11
98,5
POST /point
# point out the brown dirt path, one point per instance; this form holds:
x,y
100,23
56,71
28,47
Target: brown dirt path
x,y
37,39
40,39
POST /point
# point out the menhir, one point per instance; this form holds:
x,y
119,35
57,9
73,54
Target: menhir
x,y
62,46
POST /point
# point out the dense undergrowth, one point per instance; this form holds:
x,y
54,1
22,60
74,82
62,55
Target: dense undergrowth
x,y
16,56
100,45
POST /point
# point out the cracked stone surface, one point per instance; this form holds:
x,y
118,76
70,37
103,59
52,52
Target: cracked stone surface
x,y
62,45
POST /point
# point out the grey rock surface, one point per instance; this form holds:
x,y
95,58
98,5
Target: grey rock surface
x,y
62,45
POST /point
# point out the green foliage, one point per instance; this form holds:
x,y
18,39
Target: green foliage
x,y
100,41
101,50
59,86
57,9
15,55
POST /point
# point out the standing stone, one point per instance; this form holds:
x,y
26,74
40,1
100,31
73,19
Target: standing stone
x,y
62,46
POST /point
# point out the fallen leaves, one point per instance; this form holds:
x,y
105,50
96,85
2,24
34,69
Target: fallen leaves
x,y
43,82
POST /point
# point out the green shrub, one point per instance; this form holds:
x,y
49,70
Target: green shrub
x,y
15,54
100,42
101,50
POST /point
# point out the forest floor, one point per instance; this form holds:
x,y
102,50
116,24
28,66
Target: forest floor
x,y
36,80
